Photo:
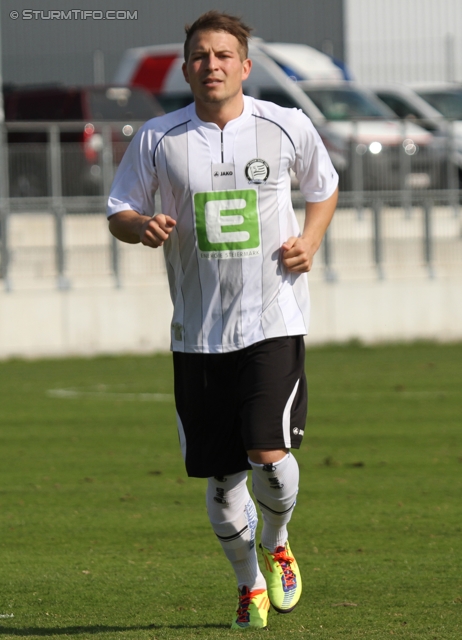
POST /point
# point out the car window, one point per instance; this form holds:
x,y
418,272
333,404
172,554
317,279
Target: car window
x,y
346,104
121,103
449,103
401,107
174,101
50,106
278,97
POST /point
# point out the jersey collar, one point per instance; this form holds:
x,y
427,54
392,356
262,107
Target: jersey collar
x,y
232,124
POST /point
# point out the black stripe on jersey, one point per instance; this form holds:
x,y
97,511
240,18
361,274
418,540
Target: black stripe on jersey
x,y
234,536
292,142
165,134
276,157
190,212
278,125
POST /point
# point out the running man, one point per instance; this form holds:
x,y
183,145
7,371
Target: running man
x,y
237,264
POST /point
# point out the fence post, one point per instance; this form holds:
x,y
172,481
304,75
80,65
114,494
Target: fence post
x,y
378,240
4,210
453,169
453,172
405,166
428,240
4,247
60,213
329,273
108,175
57,205
357,168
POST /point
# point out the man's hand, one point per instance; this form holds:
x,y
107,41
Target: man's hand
x,y
155,231
129,226
298,253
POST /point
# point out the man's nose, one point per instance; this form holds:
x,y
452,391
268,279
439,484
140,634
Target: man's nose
x,y
211,61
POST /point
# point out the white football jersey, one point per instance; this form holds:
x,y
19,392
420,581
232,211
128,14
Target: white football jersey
x,y
229,192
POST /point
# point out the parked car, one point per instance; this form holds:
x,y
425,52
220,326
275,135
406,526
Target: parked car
x,y
437,107
301,62
444,97
158,69
407,104
88,109
369,146
354,121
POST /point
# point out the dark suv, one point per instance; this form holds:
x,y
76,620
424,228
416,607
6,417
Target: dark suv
x,y
80,114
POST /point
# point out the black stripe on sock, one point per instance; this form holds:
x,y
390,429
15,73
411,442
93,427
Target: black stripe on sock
x,y
278,513
234,536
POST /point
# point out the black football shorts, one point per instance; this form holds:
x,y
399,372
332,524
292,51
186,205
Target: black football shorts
x,y
230,403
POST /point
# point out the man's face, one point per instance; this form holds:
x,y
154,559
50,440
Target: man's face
x,y
214,69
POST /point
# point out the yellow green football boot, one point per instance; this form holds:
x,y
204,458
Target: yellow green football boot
x,y
252,610
283,578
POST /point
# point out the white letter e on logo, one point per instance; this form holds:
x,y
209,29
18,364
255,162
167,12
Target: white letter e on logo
x,y
214,221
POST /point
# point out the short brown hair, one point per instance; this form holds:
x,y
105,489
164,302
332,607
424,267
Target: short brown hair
x,y
216,21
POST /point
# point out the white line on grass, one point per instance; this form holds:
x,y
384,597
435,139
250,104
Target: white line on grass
x,y
395,393
80,393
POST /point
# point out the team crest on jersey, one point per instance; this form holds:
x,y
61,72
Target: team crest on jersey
x,y
257,171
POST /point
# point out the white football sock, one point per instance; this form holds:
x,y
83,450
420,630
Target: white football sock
x,y
234,520
275,486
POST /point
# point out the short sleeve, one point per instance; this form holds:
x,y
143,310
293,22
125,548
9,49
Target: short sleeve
x,y
135,182
313,167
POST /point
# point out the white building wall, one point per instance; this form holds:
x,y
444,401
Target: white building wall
x,y
136,319
404,40
404,298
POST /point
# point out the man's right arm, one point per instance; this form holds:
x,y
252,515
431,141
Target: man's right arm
x,y
129,226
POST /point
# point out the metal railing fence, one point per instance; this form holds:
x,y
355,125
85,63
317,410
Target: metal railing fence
x,y
63,159
53,229
45,244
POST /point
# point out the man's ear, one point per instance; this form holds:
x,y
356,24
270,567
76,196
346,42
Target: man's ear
x,y
185,72
246,68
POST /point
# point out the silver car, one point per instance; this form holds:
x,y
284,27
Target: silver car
x,y
438,108
382,152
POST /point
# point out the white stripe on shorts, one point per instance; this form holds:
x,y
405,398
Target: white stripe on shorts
x,y
286,417
181,435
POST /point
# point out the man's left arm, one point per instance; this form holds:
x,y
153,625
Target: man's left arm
x,y
298,253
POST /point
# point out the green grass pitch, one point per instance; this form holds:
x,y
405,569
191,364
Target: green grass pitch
x,y
103,536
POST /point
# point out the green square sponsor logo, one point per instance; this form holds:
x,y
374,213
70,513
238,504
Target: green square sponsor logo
x,y
227,223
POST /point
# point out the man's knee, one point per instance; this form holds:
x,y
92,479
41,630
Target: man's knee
x,y
266,456
275,486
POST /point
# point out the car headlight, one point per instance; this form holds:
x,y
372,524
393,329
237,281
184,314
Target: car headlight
x,y
410,147
375,147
